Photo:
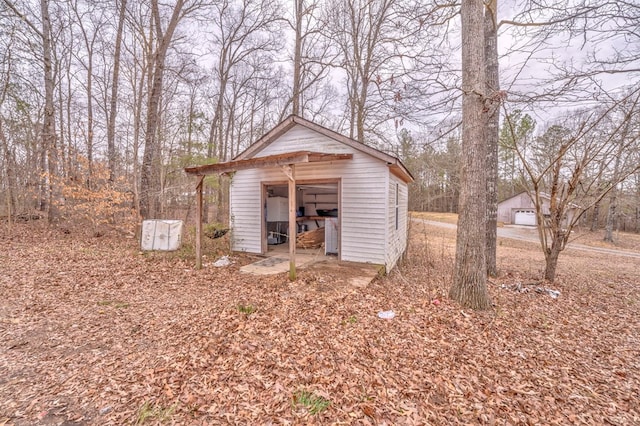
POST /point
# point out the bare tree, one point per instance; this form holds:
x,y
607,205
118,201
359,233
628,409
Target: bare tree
x,y
571,162
8,159
470,275
48,153
622,163
113,101
49,131
368,37
137,63
244,29
246,34
310,59
89,38
492,129
300,12
605,34
150,178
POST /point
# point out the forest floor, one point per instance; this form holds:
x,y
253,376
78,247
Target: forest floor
x,y
93,331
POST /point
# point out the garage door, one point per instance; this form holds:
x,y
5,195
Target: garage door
x,y
525,217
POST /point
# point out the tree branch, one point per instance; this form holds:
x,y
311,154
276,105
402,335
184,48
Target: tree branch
x,y
23,17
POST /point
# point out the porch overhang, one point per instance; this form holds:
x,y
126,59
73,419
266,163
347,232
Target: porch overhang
x,y
286,162
276,160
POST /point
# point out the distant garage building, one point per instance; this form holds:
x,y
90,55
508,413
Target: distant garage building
x,y
357,193
517,210
521,210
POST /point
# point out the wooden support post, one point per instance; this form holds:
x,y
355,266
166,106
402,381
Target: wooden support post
x,y
293,226
199,188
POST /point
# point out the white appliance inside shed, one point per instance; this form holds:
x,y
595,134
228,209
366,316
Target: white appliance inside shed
x,y
317,206
331,235
277,209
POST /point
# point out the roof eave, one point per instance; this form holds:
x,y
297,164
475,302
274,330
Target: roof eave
x,y
269,161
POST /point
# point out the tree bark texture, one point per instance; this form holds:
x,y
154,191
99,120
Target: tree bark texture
x,y
611,216
8,164
469,286
48,128
613,194
297,58
90,117
113,102
594,217
613,203
551,258
9,174
492,131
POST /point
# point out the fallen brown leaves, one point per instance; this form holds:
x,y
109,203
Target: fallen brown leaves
x,y
94,332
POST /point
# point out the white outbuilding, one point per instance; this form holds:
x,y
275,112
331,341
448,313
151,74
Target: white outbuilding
x,y
520,209
300,177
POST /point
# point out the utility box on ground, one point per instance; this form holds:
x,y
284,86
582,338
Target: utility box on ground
x,y
165,235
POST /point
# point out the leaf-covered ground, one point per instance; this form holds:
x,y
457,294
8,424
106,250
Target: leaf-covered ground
x,y
92,331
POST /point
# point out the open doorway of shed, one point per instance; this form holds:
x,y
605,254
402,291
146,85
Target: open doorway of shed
x,y
317,214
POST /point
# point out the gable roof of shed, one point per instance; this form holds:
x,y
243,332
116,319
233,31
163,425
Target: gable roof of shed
x,y
396,166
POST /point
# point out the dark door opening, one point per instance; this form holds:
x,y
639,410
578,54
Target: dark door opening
x,y
317,210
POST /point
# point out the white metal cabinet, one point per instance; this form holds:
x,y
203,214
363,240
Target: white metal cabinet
x,y
277,209
331,235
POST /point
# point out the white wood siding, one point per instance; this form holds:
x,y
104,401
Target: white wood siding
x,y
302,139
245,210
363,204
396,238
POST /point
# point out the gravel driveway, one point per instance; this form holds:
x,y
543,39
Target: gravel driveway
x,y
530,233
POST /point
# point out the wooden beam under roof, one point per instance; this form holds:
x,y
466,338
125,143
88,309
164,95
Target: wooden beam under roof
x,y
275,160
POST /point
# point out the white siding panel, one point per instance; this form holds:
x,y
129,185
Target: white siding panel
x,y
396,238
363,210
245,200
300,138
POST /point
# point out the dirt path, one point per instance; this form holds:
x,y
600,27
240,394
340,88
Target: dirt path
x,y
530,234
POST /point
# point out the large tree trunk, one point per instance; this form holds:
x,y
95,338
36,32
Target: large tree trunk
x,y
139,89
9,174
551,259
361,110
613,195
594,217
297,58
492,131
63,162
48,128
611,216
113,102
90,119
470,276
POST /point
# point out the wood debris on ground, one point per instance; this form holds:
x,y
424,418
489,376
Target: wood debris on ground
x,y
310,239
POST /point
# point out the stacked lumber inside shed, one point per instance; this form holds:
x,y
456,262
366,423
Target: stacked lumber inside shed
x,y
310,239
